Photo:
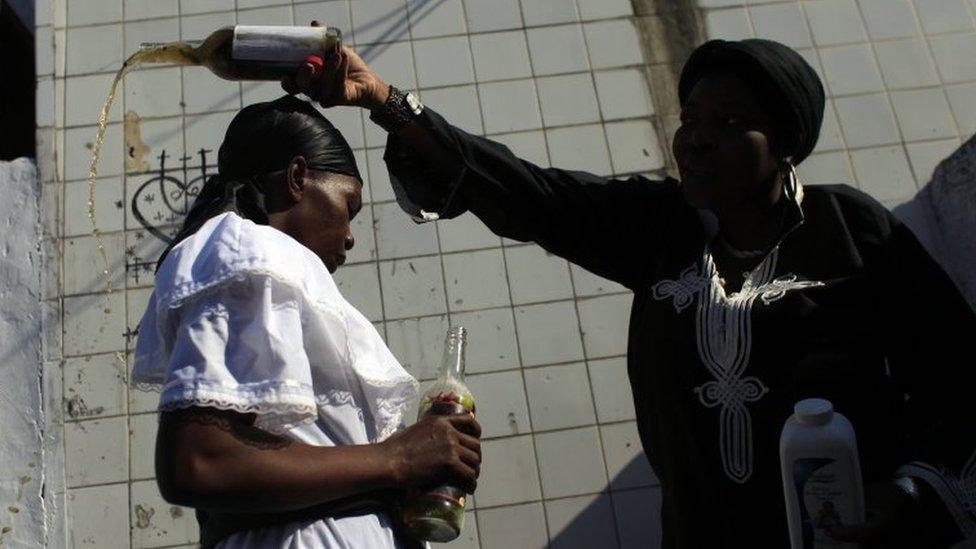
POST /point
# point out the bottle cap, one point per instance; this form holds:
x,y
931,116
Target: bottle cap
x,y
813,411
318,65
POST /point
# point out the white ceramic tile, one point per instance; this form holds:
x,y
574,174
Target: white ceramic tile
x,y
953,55
584,474
205,131
156,523
465,232
728,24
98,517
576,523
906,64
165,134
586,283
459,104
579,148
364,249
443,61
276,15
568,99
627,465
925,157
638,516
613,44
514,526
334,13
94,386
204,93
84,266
623,93
412,287
142,250
529,146
884,173
548,333
536,275
44,51
108,195
489,15
783,23
923,114
548,12
611,389
491,339
500,55
96,451
198,27
508,472
142,445
379,21
557,49
850,69
502,408
154,30
259,92
244,4
204,6
941,16
93,12
604,322
42,13
394,63
418,344
476,280
145,9
634,146
510,106
834,22
88,328
94,49
963,107
136,302
604,9
154,93
360,285
831,167
559,396
429,19
867,120
469,536
889,18
831,137
380,189
399,236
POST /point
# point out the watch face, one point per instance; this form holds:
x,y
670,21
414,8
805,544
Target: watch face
x,y
414,103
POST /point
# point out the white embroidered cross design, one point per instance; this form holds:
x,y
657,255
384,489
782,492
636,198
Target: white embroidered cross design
x,y
683,289
724,338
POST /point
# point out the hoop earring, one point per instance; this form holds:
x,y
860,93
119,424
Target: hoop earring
x,y
790,179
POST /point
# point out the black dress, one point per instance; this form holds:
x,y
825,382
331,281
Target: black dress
x,y
848,307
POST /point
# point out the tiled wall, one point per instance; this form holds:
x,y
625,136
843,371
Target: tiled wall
x,y
901,76
562,82
559,82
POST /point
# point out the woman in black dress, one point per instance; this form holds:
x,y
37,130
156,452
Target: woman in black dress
x,y
750,292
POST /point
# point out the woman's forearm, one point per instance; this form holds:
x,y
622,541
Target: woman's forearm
x,y
215,461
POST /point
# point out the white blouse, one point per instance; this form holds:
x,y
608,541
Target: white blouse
x,y
245,318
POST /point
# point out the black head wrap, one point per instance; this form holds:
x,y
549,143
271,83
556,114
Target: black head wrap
x,y
779,75
263,138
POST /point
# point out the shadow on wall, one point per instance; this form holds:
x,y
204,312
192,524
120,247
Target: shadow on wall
x,y
943,215
625,517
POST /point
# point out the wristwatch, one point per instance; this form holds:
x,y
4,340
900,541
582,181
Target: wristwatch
x,y
400,107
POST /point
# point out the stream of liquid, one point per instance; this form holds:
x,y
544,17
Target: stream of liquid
x,y
180,53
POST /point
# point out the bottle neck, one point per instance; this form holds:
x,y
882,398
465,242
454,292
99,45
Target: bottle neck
x,y
452,365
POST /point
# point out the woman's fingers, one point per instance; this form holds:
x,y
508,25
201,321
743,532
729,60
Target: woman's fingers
x,y
467,424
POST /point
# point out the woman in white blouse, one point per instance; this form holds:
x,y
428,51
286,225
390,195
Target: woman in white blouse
x,y
281,408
